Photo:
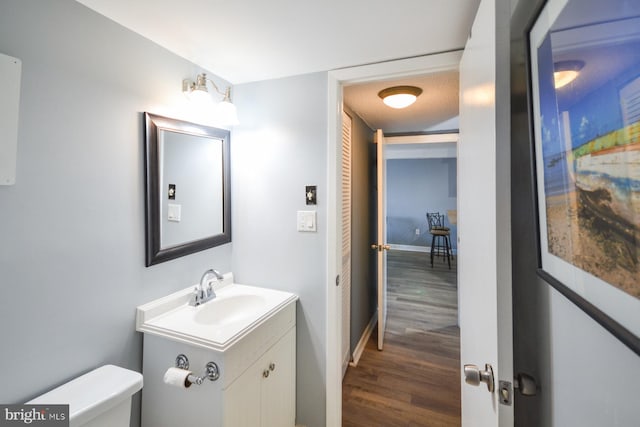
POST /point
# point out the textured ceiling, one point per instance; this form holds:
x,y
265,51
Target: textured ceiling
x,y
250,40
435,108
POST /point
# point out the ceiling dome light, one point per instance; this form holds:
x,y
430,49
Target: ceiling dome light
x,y
400,96
564,72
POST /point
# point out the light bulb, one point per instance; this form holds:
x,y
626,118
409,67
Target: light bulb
x,y
401,100
227,113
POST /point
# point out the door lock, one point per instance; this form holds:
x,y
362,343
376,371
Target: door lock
x,y
474,376
524,383
380,248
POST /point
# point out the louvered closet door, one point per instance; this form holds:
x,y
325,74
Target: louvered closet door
x,y
346,240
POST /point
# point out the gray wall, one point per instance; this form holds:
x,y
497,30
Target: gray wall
x,y
363,227
415,187
199,188
280,147
587,377
72,230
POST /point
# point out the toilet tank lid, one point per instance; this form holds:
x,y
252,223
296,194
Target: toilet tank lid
x,y
94,392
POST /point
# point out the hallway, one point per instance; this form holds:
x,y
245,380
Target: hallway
x,y
415,381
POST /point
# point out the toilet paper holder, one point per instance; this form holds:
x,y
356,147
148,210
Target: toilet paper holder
x,y
212,372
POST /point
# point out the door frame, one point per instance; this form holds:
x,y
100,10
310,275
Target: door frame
x,y
335,81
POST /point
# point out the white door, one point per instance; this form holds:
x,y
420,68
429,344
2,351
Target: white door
x,y
484,256
381,246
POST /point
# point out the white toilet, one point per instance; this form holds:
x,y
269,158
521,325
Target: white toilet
x,y
100,398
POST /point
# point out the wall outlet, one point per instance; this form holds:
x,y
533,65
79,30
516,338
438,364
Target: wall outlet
x,y
417,231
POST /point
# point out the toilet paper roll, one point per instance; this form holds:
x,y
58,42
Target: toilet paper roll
x,y
177,377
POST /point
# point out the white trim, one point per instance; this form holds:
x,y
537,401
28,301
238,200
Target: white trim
x,y
333,320
357,352
400,68
423,139
411,248
335,80
441,150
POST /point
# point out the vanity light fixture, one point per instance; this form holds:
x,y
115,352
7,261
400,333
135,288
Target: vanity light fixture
x,y
564,72
399,96
197,91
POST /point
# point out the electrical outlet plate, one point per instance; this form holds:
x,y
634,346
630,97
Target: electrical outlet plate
x,y
310,192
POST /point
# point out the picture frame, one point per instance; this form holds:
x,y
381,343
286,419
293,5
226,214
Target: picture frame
x,y
584,74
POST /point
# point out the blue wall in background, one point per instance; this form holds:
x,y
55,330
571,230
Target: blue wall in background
x,y
415,187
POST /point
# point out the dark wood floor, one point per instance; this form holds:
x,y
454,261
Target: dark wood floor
x,y
415,380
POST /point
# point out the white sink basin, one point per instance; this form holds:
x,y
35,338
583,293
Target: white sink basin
x,y
227,309
216,324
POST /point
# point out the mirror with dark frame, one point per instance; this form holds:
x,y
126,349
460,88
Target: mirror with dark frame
x,y
188,197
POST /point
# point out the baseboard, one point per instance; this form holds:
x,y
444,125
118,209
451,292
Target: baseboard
x,y
410,248
357,352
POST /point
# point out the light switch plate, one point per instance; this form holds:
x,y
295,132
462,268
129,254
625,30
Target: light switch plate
x,y
174,212
306,221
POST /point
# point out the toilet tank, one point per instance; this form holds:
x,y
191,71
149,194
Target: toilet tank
x,y
100,398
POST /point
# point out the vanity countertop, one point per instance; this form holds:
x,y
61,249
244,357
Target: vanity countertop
x,y
217,324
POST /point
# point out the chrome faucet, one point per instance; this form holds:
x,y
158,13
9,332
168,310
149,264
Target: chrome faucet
x,y
205,292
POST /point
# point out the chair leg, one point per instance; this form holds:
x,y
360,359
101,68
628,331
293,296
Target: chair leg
x,y
433,240
447,244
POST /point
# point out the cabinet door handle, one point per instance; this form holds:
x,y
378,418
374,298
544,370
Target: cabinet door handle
x,y
272,367
265,373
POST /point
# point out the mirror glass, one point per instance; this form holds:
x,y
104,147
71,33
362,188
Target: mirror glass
x,y
187,184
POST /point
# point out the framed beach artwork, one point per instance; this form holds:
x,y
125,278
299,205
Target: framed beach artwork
x,y
585,86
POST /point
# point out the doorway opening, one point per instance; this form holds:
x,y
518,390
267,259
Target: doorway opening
x,y
344,78
336,80
397,385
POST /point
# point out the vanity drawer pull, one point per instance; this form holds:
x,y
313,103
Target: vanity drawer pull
x,y
265,373
272,366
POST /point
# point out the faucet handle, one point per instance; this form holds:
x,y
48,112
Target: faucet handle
x,y
196,296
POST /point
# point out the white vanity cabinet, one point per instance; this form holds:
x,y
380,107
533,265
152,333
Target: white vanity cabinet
x,y
264,395
257,362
